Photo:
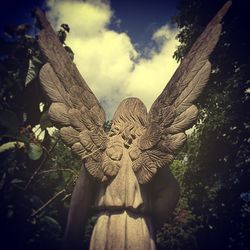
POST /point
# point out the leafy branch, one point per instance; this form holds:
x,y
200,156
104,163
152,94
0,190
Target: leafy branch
x,y
39,210
41,165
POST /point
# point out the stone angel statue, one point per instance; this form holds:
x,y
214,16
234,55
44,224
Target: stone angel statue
x,y
125,176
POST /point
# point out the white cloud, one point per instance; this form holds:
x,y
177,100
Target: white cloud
x,y
150,76
86,18
108,60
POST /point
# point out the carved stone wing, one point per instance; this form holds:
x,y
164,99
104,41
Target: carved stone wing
x,y
74,109
173,111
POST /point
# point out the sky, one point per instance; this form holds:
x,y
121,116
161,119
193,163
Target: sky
x,y
122,48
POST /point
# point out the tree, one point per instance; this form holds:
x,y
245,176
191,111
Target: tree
x,y
216,183
35,186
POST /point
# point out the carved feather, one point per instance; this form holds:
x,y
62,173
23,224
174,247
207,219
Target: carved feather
x,y
58,58
75,120
193,90
74,109
149,162
69,135
86,141
151,137
99,138
93,113
52,86
58,114
94,168
173,111
172,143
99,116
183,121
110,168
88,99
78,149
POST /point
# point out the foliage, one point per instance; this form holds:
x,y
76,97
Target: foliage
x,y
180,231
216,183
35,185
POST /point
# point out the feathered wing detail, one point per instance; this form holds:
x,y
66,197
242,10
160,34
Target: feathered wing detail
x,y
74,109
173,111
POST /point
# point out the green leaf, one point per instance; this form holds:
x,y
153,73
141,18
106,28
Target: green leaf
x,y
23,138
44,121
69,52
52,223
62,35
65,27
36,201
9,121
10,145
67,176
34,67
35,151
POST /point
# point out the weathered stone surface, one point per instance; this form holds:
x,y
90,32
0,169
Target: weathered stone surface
x,y
129,163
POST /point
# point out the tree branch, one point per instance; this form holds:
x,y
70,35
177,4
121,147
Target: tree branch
x,y
66,197
58,170
41,165
47,203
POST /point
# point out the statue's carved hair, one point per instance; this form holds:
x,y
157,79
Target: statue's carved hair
x,y
131,110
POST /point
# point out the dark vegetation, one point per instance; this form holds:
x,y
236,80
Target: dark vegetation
x,y
213,169
37,175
